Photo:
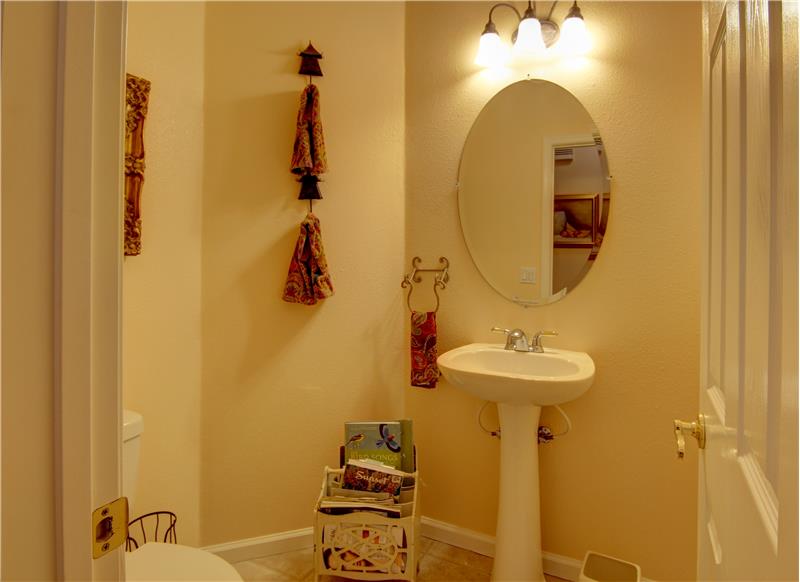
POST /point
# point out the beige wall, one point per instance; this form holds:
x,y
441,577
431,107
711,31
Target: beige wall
x,y
280,379
613,484
30,35
161,293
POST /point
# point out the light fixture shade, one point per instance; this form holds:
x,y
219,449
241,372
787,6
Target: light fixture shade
x,y
574,39
491,52
529,38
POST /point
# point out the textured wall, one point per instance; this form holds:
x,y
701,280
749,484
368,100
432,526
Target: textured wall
x,y
613,484
161,287
279,379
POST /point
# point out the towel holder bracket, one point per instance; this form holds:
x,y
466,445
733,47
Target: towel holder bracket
x,y
439,281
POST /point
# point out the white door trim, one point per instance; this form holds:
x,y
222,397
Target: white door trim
x,y
549,143
88,258
2,8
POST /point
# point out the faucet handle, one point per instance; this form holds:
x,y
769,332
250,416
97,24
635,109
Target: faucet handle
x,y
539,334
509,339
536,340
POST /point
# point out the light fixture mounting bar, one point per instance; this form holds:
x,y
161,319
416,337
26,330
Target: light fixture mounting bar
x,y
507,5
550,32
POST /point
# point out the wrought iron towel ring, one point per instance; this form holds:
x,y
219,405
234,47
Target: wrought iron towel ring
x,y
439,281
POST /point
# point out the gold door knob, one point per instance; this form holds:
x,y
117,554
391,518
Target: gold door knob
x,y
696,429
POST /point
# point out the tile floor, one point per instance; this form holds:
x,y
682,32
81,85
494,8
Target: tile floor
x,y
438,562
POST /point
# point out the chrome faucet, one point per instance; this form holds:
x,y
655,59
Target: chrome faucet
x,y
517,341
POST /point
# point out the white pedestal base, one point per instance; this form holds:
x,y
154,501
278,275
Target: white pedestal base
x,y
518,549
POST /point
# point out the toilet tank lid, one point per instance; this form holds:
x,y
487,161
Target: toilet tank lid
x,y
132,424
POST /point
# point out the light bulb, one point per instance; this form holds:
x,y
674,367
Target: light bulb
x,y
529,38
491,52
574,38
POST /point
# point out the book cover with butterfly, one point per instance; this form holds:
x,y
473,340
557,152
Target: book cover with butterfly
x,y
379,441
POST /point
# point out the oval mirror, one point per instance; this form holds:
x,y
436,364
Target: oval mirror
x,y
533,194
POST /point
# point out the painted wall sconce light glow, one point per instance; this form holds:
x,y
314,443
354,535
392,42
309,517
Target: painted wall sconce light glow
x,y
533,37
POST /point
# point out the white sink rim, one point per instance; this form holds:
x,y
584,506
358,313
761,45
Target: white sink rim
x,y
466,368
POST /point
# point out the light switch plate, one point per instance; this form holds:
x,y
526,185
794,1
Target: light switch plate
x,y
527,275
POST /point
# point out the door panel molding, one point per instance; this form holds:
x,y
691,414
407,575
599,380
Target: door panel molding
x,y
748,472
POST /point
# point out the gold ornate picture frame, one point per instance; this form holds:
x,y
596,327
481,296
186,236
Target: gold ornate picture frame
x,y
137,94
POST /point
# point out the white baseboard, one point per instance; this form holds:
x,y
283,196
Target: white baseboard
x,y
269,545
459,537
561,566
300,539
553,564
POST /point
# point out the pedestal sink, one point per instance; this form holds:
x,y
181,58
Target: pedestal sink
x,y
521,383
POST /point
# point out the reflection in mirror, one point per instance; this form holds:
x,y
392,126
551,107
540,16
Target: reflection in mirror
x,y
533,192
580,210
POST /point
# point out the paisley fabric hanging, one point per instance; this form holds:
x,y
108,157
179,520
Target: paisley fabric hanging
x,y
308,156
424,371
308,280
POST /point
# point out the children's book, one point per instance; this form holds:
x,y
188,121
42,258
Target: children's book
x,y
371,476
407,460
380,441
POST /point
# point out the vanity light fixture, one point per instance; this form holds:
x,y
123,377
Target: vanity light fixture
x,y
533,37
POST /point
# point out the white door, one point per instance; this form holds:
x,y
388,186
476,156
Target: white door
x,y
87,274
747,514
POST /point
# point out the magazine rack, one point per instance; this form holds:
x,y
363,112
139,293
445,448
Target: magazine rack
x,y
364,545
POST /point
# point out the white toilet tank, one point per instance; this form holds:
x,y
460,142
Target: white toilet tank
x,y
156,560
132,427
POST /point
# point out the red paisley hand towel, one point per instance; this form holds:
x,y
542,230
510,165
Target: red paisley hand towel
x,y
308,280
424,372
309,156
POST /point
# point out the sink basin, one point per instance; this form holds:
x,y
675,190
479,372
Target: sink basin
x,y
491,372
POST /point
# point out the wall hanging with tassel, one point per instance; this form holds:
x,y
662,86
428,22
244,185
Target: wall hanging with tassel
x,y
308,280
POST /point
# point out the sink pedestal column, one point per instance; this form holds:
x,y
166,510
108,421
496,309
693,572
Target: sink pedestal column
x,y
518,546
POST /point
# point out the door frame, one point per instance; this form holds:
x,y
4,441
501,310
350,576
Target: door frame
x,y
2,9
549,144
88,266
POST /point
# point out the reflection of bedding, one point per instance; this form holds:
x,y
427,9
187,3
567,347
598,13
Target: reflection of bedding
x,y
565,231
572,232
